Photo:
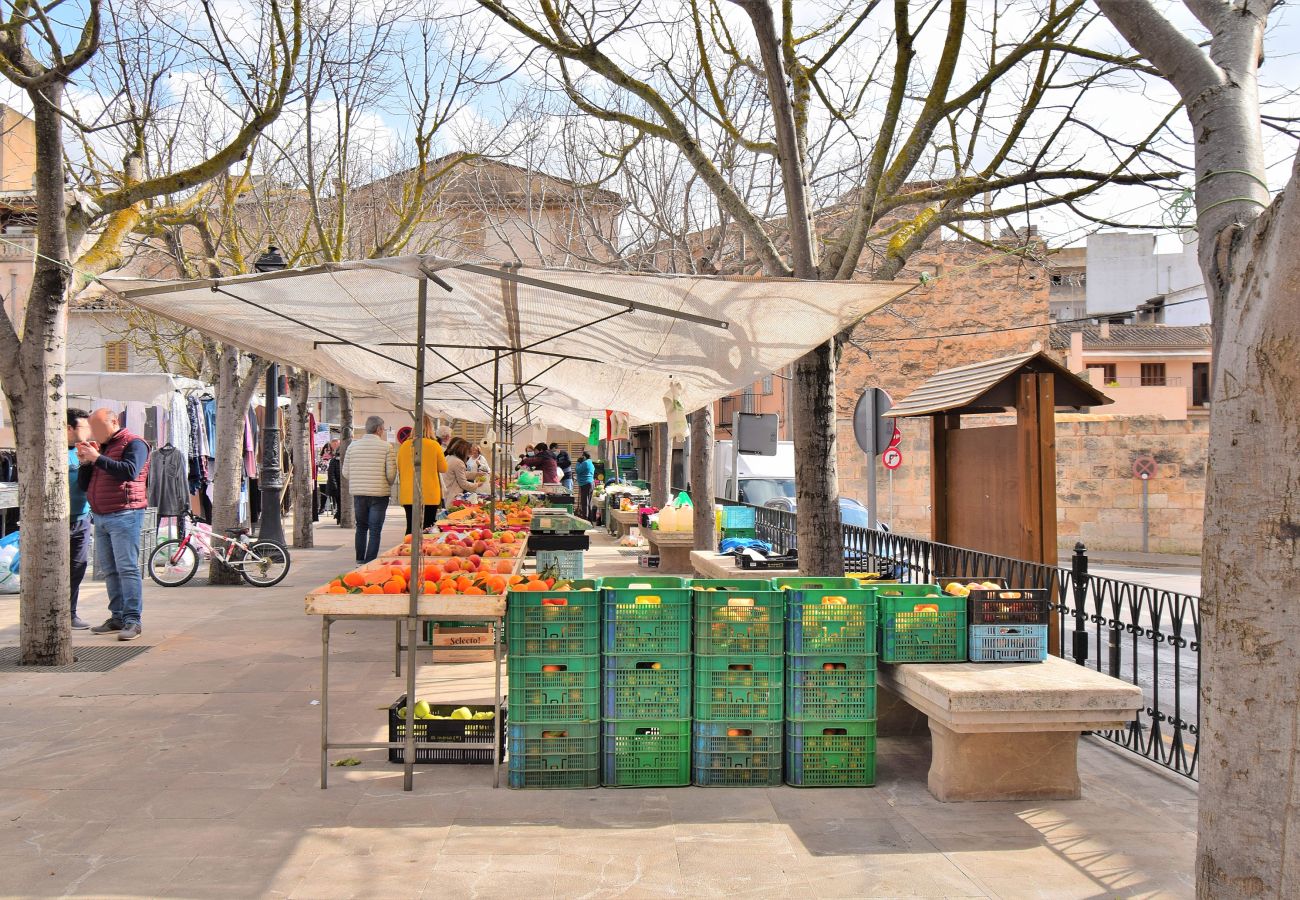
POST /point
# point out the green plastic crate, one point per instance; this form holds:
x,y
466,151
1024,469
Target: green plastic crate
x,y
739,533
554,623
646,753
654,618
742,616
751,758
554,755
739,688
829,615
567,563
920,623
571,694
830,753
830,687
647,686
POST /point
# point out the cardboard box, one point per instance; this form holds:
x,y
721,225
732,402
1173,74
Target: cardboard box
x,y
462,644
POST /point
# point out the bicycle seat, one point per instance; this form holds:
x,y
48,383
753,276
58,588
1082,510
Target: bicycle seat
x,y
238,531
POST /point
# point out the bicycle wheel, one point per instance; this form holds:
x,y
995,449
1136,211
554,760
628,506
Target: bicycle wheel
x,y
171,565
265,563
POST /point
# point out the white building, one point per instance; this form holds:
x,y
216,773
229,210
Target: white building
x,y
1125,272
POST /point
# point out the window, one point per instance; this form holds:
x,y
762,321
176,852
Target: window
x,y
1153,374
1200,384
767,385
1057,280
115,356
1108,375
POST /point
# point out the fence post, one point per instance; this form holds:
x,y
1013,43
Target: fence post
x,y
1079,571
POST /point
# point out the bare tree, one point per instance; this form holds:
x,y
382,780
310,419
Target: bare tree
x,y
34,57
1249,828
302,450
740,88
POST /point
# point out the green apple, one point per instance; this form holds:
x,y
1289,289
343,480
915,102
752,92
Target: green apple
x,y
422,710
462,713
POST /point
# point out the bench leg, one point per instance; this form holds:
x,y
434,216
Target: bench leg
x,y
1040,765
895,717
675,560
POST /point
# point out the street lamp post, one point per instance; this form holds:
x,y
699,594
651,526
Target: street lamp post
x,y
272,476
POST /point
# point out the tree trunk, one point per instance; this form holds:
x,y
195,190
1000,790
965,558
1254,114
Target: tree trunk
x,y
233,396
701,478
1249,829
39,407
660,470
345,439
820,543
304,463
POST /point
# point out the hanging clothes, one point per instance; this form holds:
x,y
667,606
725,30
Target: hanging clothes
x,y
166,483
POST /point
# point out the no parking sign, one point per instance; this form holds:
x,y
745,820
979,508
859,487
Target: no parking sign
x,y
892,458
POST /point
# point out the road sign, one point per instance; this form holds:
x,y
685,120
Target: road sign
x,y
896,439
872,431
892,458
1144,467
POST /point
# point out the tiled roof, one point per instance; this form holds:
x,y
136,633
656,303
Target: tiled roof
x,y
1135,337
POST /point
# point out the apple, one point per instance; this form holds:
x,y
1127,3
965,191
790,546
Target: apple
x,y
422,710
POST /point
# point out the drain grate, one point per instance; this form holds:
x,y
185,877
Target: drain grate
x,y
88,659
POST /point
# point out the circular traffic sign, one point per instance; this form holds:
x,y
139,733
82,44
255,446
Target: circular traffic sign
x,y
1144,467
892,458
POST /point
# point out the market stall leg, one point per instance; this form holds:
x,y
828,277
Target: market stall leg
x,y
324,699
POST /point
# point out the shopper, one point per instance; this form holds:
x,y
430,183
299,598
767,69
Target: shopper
x,y
432,464
112,471
542,460
457,479
78,513
334,482
477,462
586,475
565,466
370,468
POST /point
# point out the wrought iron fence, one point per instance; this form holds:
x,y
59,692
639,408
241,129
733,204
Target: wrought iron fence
x,y
1144,635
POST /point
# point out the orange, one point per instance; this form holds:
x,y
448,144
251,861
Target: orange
x,y
394,587
336,589
354,579
372,589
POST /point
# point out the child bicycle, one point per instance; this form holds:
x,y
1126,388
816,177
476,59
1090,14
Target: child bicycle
x,y
261,561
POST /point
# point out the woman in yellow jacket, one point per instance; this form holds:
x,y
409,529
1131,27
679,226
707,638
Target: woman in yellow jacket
x,y
432,465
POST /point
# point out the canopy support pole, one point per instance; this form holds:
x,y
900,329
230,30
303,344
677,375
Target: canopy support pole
x,y
496,431
417,536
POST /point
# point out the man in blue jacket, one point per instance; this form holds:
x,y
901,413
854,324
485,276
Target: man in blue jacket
x,y
78,512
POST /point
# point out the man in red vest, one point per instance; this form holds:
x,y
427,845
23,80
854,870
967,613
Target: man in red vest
x,y
112,473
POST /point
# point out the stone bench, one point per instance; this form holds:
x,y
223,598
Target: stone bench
x,y
624,521
1003,731
710,564
673,549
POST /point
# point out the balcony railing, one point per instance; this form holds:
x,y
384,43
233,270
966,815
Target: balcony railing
x,y
1143,635
1139,381
17,246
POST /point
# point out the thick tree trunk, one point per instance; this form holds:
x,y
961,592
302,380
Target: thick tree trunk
x,y
701,478
660,470
820,543
304,464
233,396
1249,826
38,405
345,438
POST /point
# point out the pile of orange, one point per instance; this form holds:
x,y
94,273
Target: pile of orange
x,y
451,576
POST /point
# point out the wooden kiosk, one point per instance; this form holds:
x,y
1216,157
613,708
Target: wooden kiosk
x,y
993,486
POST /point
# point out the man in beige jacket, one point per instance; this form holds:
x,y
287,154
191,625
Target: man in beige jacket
x,y
370,467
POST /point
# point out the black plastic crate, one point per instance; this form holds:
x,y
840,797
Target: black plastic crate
x,y
1009,606
461,741
785,561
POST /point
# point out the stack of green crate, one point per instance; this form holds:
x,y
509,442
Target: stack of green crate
x,y
920,623
554,725
646,673
739,669
830,706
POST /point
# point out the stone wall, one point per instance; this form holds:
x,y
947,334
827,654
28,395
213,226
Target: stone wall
x,y
1099,502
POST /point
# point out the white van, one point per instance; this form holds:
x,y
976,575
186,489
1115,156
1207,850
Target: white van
x,y
758,479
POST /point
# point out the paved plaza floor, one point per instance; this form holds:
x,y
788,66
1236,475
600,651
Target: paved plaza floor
x,y
192,770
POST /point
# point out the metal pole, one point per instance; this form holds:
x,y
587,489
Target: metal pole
x,y
324,700
417,535
272,477
871,464
495,426
1146,515
734,494
1079,575
496,699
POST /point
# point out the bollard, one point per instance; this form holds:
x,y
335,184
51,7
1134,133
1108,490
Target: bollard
x,y
1079,571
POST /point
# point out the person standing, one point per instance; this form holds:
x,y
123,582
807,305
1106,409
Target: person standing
x,y
78,513
432,464
565,465
370,468
543,461
112,471
585,471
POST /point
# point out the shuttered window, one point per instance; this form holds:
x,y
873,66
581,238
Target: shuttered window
x,y
116,358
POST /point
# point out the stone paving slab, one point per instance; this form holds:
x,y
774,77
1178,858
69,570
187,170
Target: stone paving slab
x,y
192,771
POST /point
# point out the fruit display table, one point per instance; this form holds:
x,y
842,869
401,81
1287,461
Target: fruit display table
x,y
673,549
623,521
1007,731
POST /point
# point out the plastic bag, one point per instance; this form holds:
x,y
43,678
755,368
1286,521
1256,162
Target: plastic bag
x,y
683,500
9,583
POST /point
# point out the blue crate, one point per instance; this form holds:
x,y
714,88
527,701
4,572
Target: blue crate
x,y
1008,643
738,517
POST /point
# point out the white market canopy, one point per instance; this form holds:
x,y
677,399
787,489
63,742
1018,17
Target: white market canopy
x,y
153,389
564,345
